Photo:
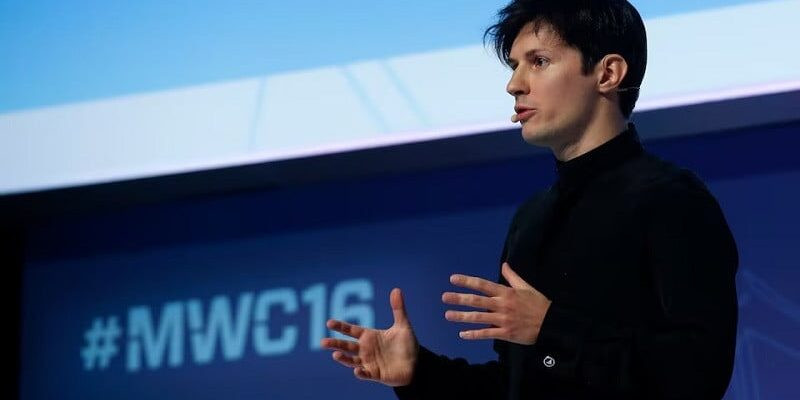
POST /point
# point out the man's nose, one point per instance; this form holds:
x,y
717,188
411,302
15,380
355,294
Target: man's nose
x,y
516,85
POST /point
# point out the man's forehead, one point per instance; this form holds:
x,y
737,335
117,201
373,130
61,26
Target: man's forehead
x,y
539,34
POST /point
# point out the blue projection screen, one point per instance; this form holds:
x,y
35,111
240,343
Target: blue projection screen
x,y
227,297
107,91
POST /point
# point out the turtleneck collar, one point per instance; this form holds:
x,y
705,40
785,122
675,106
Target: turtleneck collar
x,y
580,170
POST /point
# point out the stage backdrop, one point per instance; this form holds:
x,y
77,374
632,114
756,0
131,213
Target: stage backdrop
x,y
227,297
96,91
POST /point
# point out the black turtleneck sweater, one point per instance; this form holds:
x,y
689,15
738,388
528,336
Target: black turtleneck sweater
x,y
639,263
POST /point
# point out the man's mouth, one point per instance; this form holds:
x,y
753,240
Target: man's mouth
x,y
525,114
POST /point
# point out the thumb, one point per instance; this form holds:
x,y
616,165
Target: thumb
x,y
513,279
398,306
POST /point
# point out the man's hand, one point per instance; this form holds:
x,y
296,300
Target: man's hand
x,y
515,313
386,356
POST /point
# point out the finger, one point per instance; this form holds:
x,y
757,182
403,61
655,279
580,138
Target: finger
x,y
346,328
398,306
473,317
469,299
362,373
513,279
488,333
338,344
346,359
479,284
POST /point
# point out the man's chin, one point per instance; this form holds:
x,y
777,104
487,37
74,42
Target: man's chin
x,y
535,137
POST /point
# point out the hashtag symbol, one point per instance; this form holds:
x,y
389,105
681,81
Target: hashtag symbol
x,y
101,344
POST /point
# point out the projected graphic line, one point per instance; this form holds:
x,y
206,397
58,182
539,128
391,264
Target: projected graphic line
x,y
369,105
752,289
262,87
403,90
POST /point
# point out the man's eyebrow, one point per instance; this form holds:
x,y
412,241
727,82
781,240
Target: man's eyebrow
x,y
528,54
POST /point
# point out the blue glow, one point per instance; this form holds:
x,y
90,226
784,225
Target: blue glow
x,y
62,52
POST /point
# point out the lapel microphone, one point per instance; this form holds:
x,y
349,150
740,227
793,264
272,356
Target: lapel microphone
x,y
515,116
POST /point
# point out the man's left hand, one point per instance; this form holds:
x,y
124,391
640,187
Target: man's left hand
x,y
515,313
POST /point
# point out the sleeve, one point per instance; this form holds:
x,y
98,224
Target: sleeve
x,y
439,377
685,348
688,351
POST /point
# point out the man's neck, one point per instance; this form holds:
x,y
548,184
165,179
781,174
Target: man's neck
x,y
597,132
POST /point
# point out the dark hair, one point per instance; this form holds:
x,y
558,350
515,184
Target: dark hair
x,y
594,27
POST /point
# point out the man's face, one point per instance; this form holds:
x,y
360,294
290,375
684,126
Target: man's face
x,y
548,80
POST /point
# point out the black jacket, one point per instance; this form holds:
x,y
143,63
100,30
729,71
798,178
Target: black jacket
x,y
639,263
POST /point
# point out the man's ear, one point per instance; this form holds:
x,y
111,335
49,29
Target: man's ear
x,y
611,71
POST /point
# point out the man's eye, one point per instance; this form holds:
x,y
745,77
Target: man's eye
x,y
540,62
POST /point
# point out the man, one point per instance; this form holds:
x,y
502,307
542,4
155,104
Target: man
x,y
617,281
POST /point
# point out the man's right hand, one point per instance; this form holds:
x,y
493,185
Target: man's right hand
x,y
387,356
